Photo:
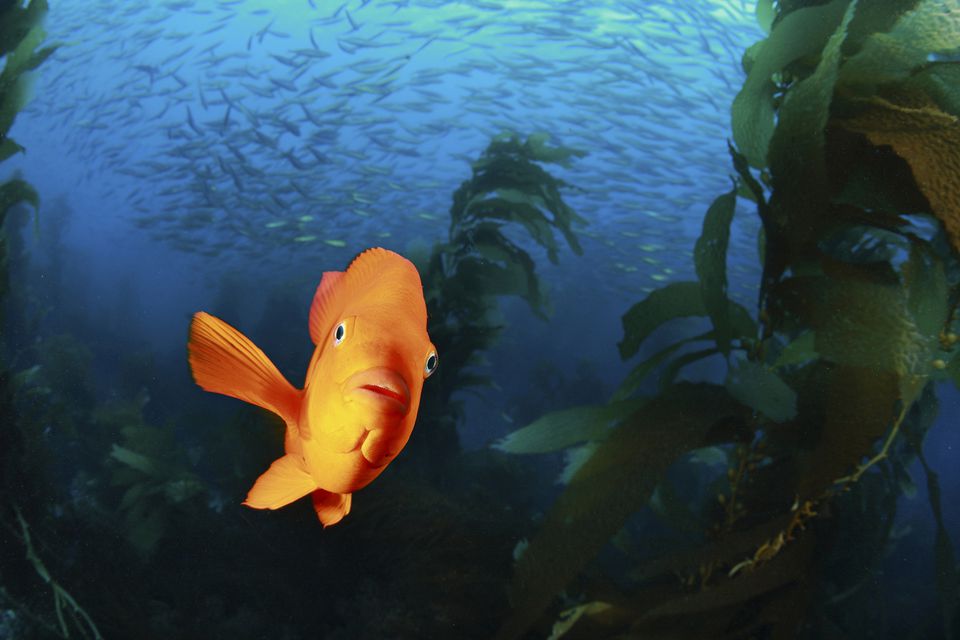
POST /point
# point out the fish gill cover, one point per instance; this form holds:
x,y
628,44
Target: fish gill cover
x,y
758,502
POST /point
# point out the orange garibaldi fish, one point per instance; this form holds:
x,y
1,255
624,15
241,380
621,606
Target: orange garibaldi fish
x,y
360,397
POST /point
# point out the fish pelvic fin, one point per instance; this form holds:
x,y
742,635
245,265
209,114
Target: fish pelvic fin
x,y
331,507
225,361
285,481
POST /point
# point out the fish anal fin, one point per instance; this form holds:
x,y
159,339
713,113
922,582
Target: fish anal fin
x,y
285,481
225,361
331,507
322,309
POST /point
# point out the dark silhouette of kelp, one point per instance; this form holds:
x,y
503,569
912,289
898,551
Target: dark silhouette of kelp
x,y
21,34
846,136
479,262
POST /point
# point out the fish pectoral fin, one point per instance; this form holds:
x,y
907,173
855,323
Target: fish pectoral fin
x,y
223,360
285,481
331,507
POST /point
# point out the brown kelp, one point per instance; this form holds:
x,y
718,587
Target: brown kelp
x,y
776,491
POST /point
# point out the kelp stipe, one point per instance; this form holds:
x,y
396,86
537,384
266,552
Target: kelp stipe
x,y
845,134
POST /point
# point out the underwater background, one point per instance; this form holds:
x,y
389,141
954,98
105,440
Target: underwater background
x,y
690,268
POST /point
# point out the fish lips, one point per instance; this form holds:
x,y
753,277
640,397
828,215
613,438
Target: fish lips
x,y
381,387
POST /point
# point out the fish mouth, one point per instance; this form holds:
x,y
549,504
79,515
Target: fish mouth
x,y
381,386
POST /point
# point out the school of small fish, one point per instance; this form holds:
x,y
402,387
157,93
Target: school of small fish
x,y
248,129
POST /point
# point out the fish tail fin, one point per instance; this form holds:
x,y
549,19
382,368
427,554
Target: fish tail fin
x,y
225,361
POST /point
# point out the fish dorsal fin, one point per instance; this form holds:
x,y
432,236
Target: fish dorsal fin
x,y
331,507
323,305
285,481
223,360
328,301
370,265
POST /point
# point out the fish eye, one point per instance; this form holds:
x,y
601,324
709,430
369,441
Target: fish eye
x,y
339,333
431,364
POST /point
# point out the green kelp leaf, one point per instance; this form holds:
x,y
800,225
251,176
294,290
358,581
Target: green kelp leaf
x,y
932,27
796,154
801,350
17,21
797,149
16,81
675,300
748,183
765,14
563,216
615,482
710,260
8,148
561,429
927,292
801,33
521,197
760,388
671,371
573,459
509,278
12,100
750,56
517,206
640,372
742,323
537,149
506,167
134,460
928,305
39,57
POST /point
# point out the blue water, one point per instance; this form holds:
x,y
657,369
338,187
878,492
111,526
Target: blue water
x,y
178,144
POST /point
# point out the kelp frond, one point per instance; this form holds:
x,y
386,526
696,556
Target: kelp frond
x,y
845,130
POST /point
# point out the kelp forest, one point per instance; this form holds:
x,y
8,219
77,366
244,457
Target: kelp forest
x,y
756,504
